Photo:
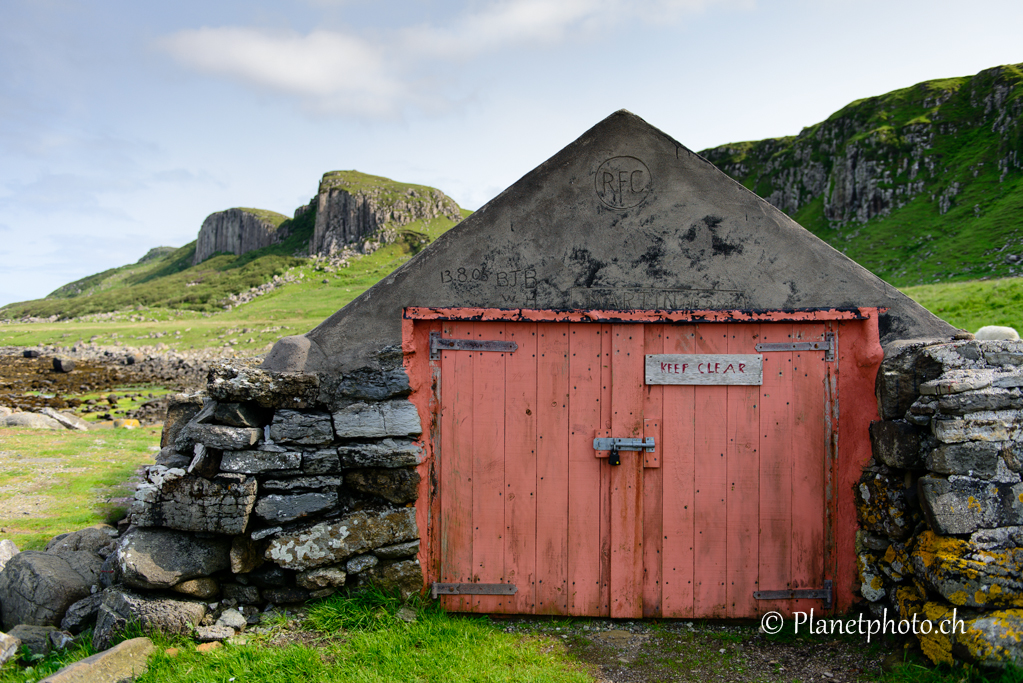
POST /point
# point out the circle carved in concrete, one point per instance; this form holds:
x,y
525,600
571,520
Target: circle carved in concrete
x,y
622,182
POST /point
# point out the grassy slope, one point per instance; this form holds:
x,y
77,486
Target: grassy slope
x,y
914,244
295,308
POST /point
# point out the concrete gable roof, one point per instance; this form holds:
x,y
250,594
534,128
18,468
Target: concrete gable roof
x,y
625,217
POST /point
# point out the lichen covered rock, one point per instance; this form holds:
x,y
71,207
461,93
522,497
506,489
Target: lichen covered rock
x,y
332,542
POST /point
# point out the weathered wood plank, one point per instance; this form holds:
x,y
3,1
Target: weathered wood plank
x,y
678,427
653,509
743,462
520,468
776,446
584,560
552,487
711,548
808,516
456,467
627,478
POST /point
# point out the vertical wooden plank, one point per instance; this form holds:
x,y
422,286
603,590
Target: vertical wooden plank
x,y
520,468
776,468
653,512
711,547
606,409
456,487
678,427
627,478
743,468
584,492
807,399
488,484
552,468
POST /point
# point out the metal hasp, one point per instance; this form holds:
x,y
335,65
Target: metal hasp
x,y
801,594
438,344
615,445
472,589
604,444
827,346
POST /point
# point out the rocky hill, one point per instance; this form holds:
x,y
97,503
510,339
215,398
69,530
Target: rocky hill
x,y
919,185
237,231
351,206
244,253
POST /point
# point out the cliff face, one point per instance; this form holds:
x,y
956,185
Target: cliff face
x,y
351,206
920,184
237,231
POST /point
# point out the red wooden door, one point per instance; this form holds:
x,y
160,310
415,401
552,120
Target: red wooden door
x,y
731,502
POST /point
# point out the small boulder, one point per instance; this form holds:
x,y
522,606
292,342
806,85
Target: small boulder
x,y
35,638
124,662
63,365
30,420
68,420
121,607
30,353
203,588
9,647
37,588
213,634
161,558
7,551
82,613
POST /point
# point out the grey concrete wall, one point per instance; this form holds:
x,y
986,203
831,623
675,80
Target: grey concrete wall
x,y
625,217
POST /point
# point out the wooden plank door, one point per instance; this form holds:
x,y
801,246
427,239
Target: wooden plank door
x,y
731,502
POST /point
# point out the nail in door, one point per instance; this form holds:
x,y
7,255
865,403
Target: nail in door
x,y
732,500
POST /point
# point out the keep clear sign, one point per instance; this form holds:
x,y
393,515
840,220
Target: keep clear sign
x,y
697,368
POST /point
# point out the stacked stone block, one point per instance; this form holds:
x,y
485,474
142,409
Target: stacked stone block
x,y
940,506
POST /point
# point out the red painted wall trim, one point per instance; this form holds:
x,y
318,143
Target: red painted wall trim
x,y
599,316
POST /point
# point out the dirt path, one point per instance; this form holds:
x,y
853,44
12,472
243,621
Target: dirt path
x,y
662,651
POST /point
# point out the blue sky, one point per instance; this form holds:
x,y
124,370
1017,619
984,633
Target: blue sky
x,y
124,124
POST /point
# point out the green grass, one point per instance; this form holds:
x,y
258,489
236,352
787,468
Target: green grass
x,y
434,647
63,478
971,305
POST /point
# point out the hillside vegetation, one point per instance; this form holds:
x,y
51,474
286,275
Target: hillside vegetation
x,y
920,185
923,186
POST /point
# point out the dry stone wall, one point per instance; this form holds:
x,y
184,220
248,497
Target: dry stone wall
x,y
940,506
270,488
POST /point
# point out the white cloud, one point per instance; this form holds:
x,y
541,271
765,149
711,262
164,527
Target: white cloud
x,y
341,72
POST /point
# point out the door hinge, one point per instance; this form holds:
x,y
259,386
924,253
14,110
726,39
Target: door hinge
x,y
799,594
472,589
827,345
438,344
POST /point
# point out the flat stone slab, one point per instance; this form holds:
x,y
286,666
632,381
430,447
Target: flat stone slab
x,y
124,662
292,426
189,503
330,543
287,508
957,381
377,420
962,505
314,483
386,453
256,462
